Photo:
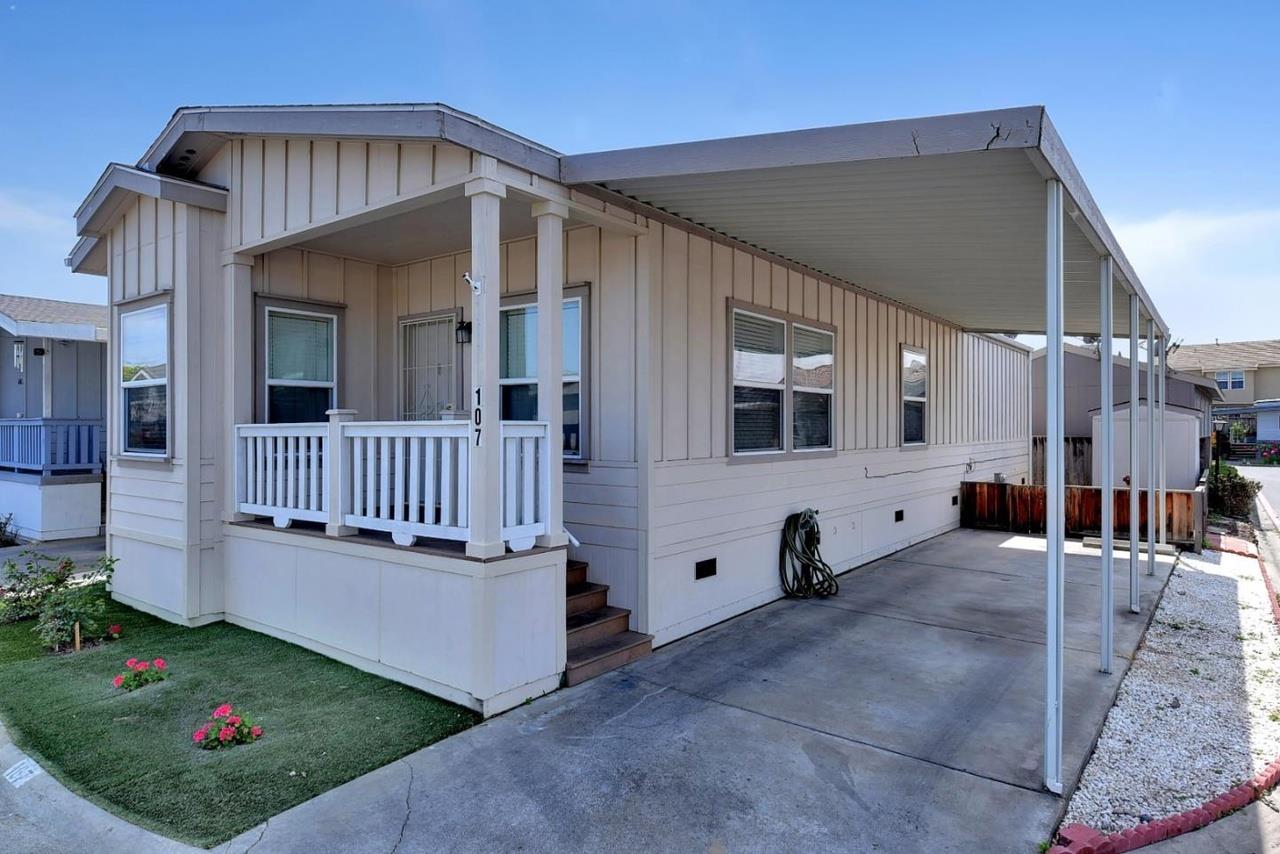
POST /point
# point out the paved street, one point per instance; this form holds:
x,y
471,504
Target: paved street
x,y
1270,478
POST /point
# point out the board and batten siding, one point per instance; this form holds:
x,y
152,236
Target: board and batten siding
x,y
704,506
283,185
164,515
600,494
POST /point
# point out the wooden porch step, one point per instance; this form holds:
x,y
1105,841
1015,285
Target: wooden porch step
x,y
601,656
591,626
576,572
585,596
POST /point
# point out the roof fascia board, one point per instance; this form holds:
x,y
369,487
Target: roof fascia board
x,y
119,184
39,329
1014,128
423,122
88,256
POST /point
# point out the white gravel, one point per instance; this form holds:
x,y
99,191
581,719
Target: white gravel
x,y
1199,710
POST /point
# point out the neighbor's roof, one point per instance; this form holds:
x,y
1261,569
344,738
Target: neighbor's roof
x,y
50,318
943,214
1205,384
1226,355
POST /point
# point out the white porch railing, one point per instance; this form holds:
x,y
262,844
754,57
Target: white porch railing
x,y
406,478
282,471
51,445
526,464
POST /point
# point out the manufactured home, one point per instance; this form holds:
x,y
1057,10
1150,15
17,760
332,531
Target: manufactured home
x,y
403,387
53,358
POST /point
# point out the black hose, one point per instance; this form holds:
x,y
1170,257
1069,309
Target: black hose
x,y
803,572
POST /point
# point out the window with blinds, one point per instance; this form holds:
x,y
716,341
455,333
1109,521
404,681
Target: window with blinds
x,y
915,396
783,376
301,365
428,379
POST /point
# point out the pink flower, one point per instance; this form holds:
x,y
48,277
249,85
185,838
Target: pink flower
x,y
222,711
142,665
226,733
160,664
256,732
233,720
118,681
198,735
131,663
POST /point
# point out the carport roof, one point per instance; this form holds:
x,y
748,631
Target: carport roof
x,y
945,213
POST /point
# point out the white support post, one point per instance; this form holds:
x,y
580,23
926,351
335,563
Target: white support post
x,y
485,481
1134,450
1151,448
1163,390
46,378
337,475
550,217
237,360
1055,493
1106,381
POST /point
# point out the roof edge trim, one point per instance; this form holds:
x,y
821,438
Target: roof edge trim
x,y
119,183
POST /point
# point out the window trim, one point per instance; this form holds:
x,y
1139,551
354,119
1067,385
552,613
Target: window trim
x,y
453,315
265,304
788,451
904,398
123,310
579,292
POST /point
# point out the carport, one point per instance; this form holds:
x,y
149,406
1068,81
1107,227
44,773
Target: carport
x,y
981,220
901,715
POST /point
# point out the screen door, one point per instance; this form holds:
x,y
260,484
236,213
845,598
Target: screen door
x,y
428,385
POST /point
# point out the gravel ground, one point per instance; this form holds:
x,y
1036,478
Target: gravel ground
x,y
1199,710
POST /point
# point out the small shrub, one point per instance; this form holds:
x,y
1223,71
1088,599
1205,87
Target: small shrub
x,y
26,586
1231,493
1269,454
225,728
65,608
8,531
141,673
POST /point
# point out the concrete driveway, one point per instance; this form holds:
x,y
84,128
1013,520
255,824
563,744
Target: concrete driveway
x,y
1269,476
903,715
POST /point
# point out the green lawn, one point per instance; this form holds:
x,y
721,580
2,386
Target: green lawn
x,y
131,753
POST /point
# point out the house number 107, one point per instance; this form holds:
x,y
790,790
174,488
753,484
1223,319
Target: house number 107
x,y
477,417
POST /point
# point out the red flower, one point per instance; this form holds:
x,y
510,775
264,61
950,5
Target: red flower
x,y
256,732
226,733
160,664
142,665
198,735
114,630
222,711
118,681
131,663
233,720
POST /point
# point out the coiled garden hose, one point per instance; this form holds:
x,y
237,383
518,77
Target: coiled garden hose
x,y
803,572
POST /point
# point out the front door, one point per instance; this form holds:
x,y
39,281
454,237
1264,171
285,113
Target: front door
x,y
429,380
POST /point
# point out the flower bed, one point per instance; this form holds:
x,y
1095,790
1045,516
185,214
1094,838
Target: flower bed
x,y
225,728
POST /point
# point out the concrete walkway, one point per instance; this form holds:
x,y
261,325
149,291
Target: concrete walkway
x,y
903,715
84,551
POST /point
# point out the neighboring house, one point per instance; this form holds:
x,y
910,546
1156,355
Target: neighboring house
x,y
1247,373
303,298
52,404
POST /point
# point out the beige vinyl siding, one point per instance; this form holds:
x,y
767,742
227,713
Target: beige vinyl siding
x,y
283,185
705,506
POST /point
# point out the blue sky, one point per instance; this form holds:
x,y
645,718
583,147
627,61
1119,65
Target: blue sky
x,y
1170,110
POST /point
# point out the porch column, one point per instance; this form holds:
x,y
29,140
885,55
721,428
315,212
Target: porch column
x,y
550,259
485,482
1106,382
46,380
237,361
1151,447
1055,522
1162,459
1134,450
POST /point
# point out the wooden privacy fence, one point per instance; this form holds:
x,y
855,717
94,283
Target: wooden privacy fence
x,y
1078,454
1021,509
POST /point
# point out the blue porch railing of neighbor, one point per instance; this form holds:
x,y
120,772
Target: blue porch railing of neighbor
x,y
51,445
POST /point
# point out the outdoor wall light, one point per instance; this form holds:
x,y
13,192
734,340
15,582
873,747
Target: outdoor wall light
x,y
462,332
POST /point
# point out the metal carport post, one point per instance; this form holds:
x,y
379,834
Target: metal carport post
x,y
1055,493
1134,540
1106,381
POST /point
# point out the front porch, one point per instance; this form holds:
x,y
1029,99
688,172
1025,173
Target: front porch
x,y
51,477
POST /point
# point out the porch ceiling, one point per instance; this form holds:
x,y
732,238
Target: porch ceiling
x,y
946,215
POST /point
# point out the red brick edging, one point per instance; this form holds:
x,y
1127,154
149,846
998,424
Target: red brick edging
x,y
1082,839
